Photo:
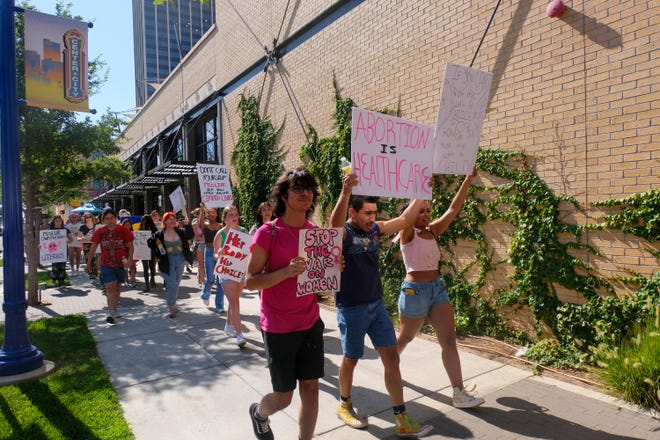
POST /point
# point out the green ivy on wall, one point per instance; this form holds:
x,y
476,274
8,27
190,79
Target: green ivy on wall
x,y
322,156
256,159
540,251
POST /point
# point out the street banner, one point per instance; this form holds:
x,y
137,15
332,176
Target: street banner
x,y
391,157
52,246
461,115
141,250
56,62
233,259
214,185
322,249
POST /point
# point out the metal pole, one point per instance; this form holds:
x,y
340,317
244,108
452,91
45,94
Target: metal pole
x,y
17,355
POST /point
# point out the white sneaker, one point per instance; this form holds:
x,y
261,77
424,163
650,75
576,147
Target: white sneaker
x,y
230,330
465,399
205,301
240,340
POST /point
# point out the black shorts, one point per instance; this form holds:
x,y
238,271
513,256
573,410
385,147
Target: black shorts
x,y
295,356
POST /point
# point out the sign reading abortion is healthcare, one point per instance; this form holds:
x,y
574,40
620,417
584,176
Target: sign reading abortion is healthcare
x,y
391,157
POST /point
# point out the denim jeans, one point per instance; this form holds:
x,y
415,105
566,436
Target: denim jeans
x,y
173,279
209,267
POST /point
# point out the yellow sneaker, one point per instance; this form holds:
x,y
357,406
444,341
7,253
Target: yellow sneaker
x,y
408,428
347,414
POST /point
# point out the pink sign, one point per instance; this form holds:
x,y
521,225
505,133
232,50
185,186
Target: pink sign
x,y
391,157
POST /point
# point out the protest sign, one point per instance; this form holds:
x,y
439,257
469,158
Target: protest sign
x,y
214,185
178,201
391,157
141,251
322,249
460,119
233,259
52,246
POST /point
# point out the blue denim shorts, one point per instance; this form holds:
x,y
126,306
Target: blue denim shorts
x,y
417,299
368,319
112,274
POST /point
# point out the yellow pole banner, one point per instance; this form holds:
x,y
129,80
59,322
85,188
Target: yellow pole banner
x,y
55,62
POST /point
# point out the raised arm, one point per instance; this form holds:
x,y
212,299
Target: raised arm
x,y
338,216
441,224
405,220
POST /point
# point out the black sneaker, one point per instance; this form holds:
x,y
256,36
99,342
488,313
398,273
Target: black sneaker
x,y
261,428
110,320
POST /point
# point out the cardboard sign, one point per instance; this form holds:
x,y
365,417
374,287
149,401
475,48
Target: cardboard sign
x,y
178,201
141,251
322,249
391,157
460,119
52,246
233,259
214,185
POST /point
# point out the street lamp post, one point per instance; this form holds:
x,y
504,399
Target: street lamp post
x,y
19,360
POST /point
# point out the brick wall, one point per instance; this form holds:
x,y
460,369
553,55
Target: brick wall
x,y
579,93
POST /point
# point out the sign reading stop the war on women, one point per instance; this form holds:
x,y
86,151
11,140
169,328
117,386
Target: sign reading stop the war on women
x,y
233,259
141,250
391,156
460,119
214,185
322,249
52,246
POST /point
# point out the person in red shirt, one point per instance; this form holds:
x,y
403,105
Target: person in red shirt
x,y
116,243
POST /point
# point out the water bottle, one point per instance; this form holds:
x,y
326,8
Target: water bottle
x,y
161,248
346,166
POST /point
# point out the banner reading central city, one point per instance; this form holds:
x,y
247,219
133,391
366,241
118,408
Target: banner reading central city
x,y
55,62
391,157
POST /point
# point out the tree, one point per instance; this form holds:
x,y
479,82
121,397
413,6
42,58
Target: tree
x,y
60,155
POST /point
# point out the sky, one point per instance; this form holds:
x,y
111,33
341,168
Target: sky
x,y
111,38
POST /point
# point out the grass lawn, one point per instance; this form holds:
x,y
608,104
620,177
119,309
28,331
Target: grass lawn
x,y
77,401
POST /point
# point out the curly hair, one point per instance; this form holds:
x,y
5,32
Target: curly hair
x,y
300,176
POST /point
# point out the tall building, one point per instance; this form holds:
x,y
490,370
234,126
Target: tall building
x,y
163,35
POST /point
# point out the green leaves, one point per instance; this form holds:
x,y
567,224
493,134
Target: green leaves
x,y
256,158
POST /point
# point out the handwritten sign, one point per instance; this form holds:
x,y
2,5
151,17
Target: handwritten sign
x,y
214,185
141,251
392,157
322,249
52,246
461,116
232,263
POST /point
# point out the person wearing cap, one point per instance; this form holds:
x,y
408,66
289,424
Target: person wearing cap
x,y
74,243
172,250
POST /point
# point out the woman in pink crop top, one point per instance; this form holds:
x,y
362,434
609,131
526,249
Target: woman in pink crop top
x,y
423,294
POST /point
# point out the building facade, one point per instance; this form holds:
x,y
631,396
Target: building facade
x,y
578,92
163,35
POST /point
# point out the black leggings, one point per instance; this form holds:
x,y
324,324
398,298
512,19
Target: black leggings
x,y
148,267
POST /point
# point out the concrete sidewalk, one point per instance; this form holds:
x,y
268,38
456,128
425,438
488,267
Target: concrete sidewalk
x,y
183,378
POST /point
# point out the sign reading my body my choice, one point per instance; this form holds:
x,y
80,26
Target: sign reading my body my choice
x,y
391,157
214,185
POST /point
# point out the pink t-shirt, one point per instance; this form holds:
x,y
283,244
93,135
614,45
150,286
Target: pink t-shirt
x,y
281,310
